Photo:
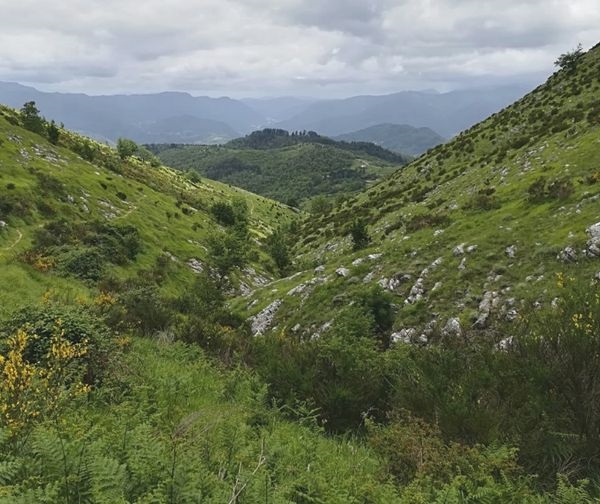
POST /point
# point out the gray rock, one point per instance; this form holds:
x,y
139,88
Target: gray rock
x,y
320,269
511,251
489,302
374,257
505,344
416,293
459,250
471,249
512,314
342,272
593,244
358,261
567,255
263,320
299,289
452,327
405,335
195,265
369,277
463,264
3,224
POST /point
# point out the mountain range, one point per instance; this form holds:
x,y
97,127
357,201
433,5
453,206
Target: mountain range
x,y
182,118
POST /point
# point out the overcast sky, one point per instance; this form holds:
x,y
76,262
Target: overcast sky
x,y
329,48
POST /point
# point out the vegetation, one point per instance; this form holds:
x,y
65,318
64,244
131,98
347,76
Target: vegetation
x,y
289,167
436,339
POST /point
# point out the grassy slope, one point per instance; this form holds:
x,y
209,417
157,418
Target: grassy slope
x,y
552,132
85,191
297,171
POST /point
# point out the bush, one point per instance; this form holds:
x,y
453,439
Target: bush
x,y
77,324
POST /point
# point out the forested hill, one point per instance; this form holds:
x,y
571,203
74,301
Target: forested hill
x,y
289,167
275,138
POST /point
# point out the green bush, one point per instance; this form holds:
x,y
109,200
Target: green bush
x,y
78,325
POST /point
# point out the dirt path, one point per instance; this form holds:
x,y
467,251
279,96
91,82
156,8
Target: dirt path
x,y
15,243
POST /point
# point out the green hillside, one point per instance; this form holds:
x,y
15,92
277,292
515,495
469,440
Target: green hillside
x,y
286,167
434,339
456,286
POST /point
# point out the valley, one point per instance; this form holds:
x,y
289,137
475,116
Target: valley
x,y
327,321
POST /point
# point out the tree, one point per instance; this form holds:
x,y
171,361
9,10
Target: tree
x,y
53,132
568,61
30,115
126,147
360,236
278,249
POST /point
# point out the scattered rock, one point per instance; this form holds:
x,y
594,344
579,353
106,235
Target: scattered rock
x,y
452,327
320,269
512,314
321,330
438,232
459,250
374,257
438,285
369,277
416,293
511,251
299,289
358,261
505,344
463,264
3,224
471,249
593,244
403,336
488,303
263,320
567,255
195,265
342,272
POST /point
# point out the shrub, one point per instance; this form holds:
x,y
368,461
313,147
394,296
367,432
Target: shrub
x,y
77,324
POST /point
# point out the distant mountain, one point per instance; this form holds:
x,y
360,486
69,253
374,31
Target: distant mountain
x,y
141,117
279,108
396,137
447,113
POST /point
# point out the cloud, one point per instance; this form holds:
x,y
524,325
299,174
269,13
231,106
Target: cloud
x,y
260,47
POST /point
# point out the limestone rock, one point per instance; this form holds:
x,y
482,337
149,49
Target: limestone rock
x,y
404,335
452,327
263,320
489,302
195,265
459,250
567,255
511,251
342,272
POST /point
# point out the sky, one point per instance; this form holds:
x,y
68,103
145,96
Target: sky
x,y
260,48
